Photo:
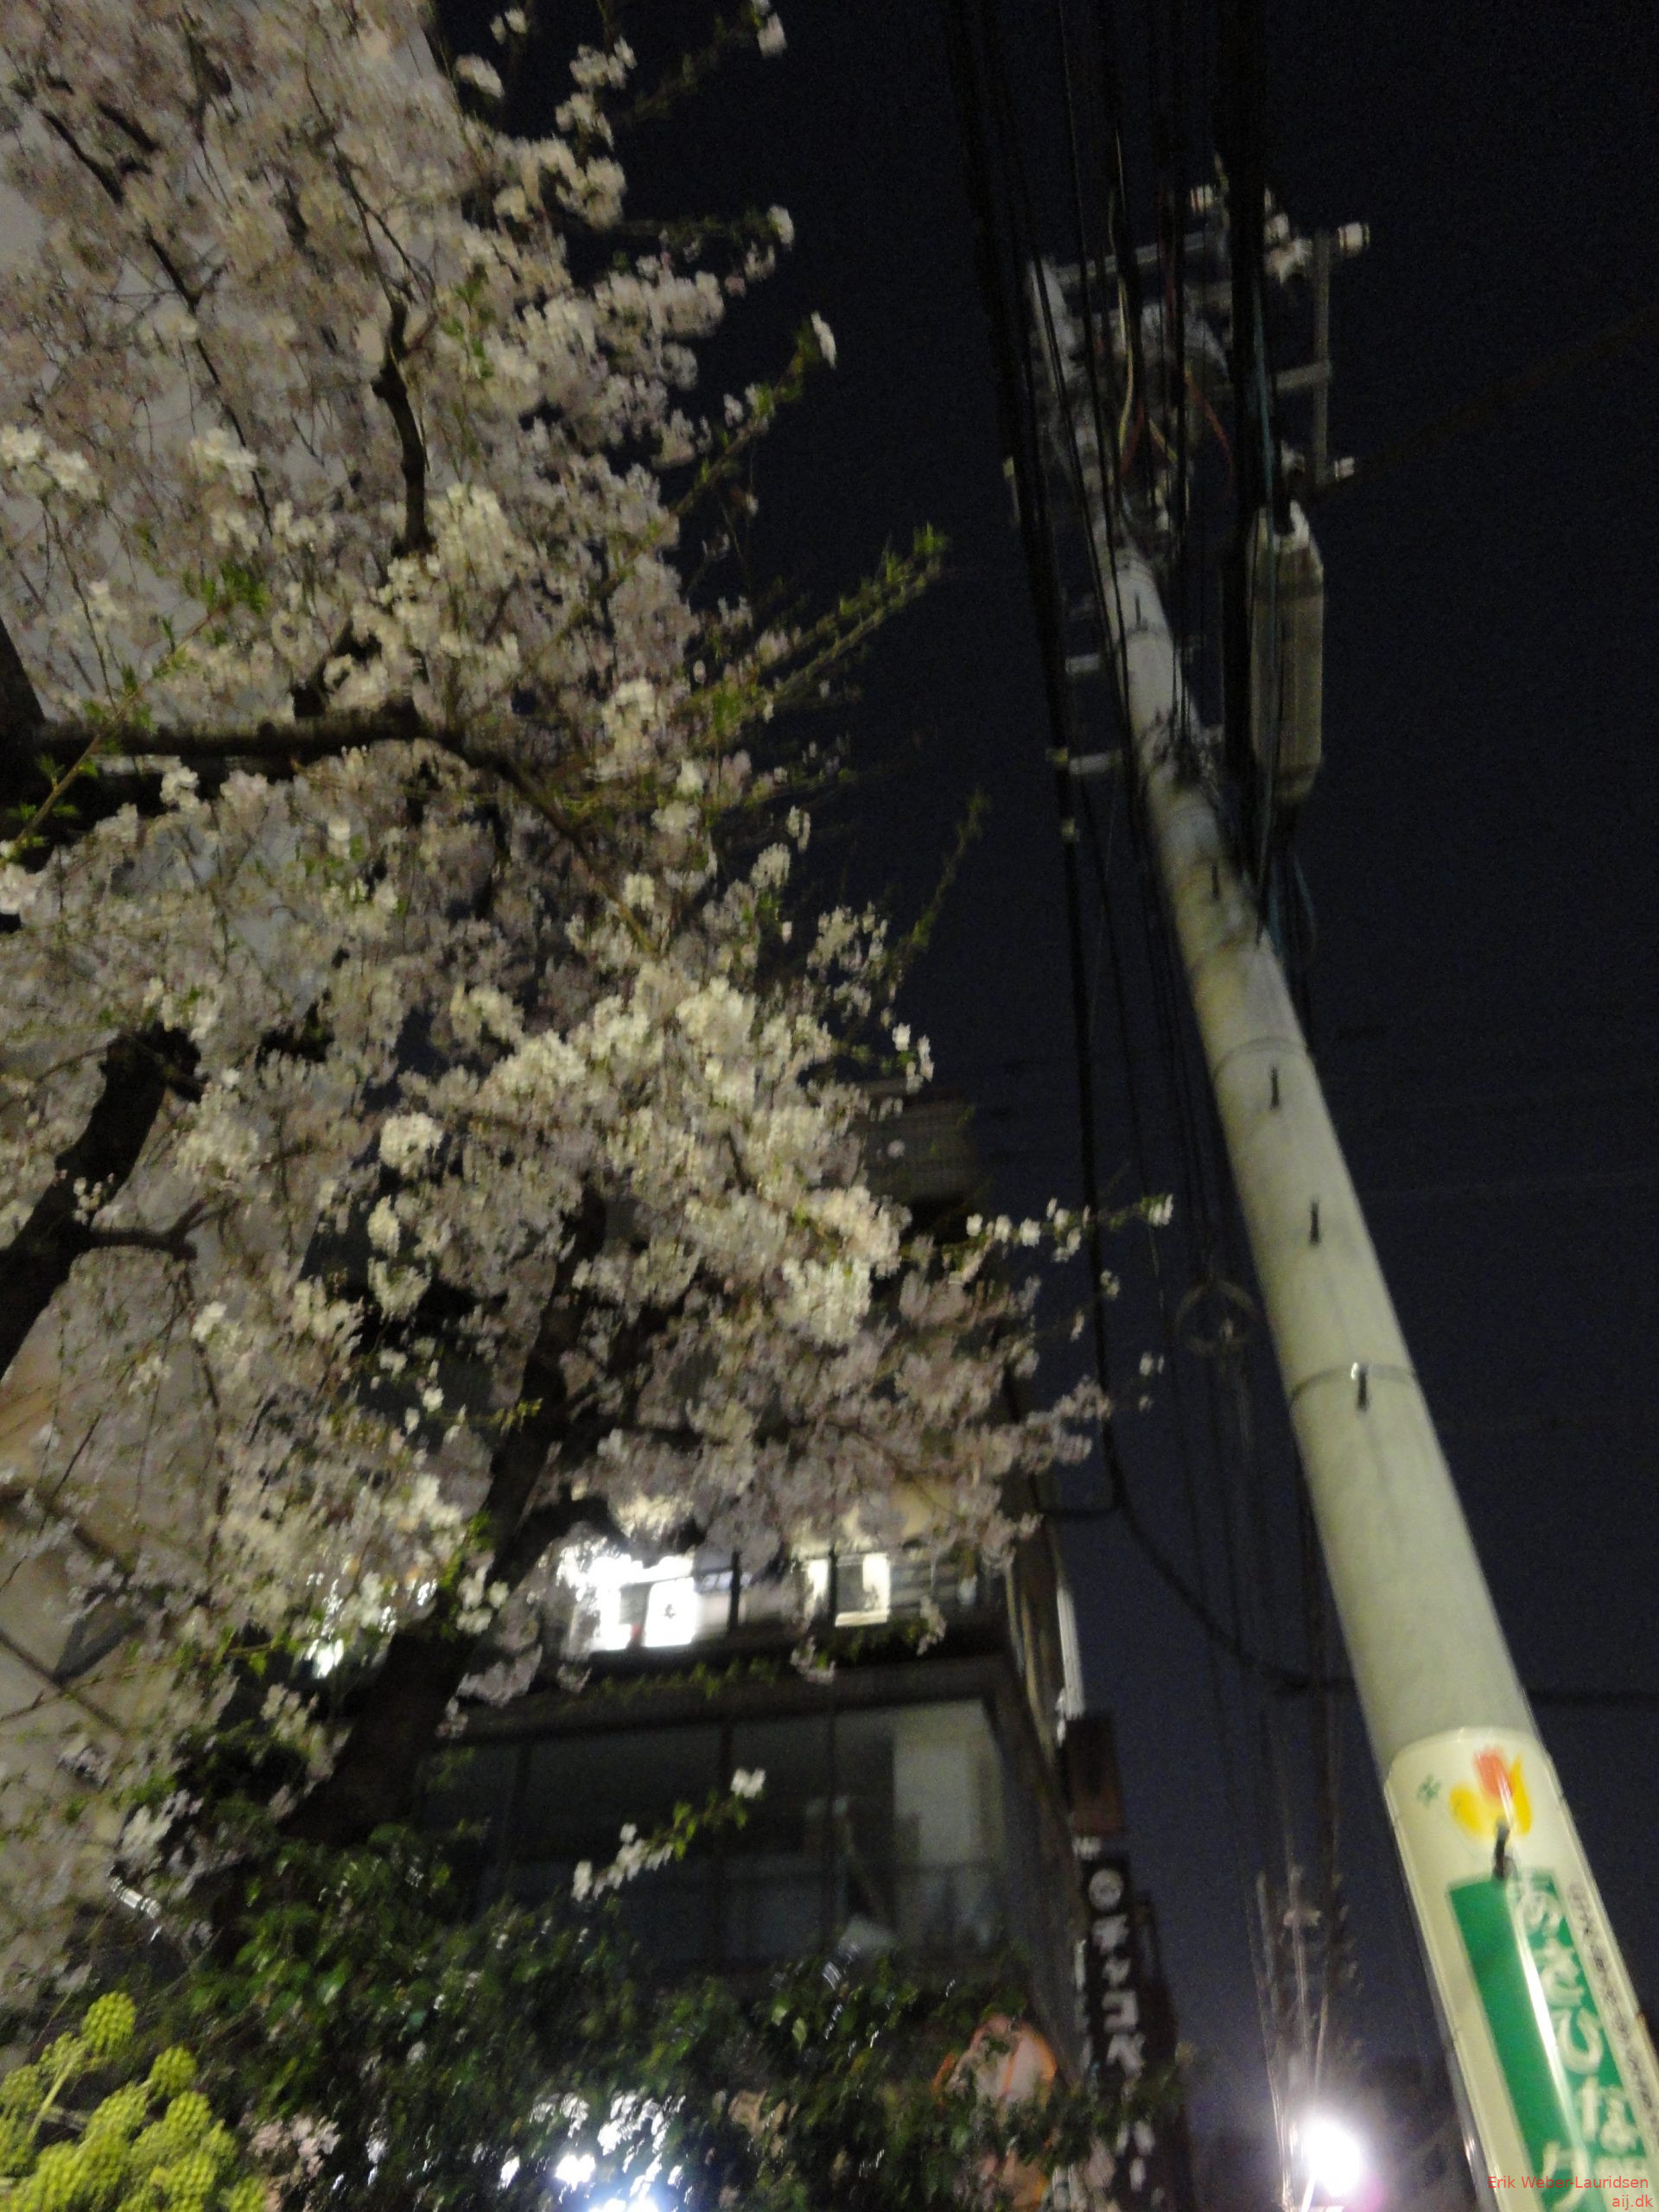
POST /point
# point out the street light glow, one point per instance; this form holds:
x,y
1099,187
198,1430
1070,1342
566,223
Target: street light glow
x,y
1333,2156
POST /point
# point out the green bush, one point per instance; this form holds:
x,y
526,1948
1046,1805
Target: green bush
x,y
146,2145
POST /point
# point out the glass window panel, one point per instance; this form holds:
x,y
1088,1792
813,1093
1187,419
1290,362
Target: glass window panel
x,y
466,1795
774,1909
952,1912
467,1787
918,1829
794,1756
669,1912
776,1863
580,1791
866,1858
669,1909
864,1588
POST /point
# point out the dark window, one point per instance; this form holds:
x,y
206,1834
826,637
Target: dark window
x,y
874,1828
581,1791
775,1868
467,1795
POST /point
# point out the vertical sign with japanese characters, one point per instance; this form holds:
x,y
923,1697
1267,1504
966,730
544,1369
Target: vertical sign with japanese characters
x,y
1555,2055
1120,2019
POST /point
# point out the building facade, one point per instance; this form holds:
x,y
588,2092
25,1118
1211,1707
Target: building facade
x,y
913,1798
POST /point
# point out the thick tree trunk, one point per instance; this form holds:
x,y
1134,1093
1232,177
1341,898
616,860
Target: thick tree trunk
x,y
138,1072
377,1775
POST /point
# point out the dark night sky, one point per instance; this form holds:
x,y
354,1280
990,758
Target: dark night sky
x,y
1479,848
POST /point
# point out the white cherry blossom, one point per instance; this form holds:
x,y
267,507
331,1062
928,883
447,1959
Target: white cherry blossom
x,y
496,1155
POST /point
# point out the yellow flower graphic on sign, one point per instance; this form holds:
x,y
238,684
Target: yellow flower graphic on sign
x,y
1499,1796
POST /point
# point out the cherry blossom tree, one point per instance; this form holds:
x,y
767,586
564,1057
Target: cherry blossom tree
x,y
425,1117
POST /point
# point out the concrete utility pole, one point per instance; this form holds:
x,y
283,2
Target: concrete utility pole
x,y
1556,2063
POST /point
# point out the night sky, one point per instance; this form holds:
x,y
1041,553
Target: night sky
x,y
1479,848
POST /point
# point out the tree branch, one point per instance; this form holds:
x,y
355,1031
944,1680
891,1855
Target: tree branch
x,y
109,180
318,737
377,1772
21,718
104,760
546,1525
138,1073
389,386
174,1241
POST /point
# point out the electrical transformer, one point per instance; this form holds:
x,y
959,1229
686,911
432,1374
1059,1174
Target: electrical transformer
x,y
1286,602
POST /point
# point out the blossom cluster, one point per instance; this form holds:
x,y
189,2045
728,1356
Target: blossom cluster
x,y
495,1095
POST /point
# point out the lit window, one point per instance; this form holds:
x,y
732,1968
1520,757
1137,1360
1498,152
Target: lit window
x,y
863,1588
865,1591
672,1612
616,1594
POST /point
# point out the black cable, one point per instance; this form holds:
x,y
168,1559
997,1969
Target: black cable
x,y
1474,413
1325,1740
1017,411
1191,1151
1184,1451
1199,1206
1279,877
1021,414
1195,1600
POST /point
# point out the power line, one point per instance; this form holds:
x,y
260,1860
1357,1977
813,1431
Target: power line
x,y
1302,1681
1196,1140
1493,398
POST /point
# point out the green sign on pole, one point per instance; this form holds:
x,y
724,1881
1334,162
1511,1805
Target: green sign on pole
x,y
1553,2054
1569,2097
